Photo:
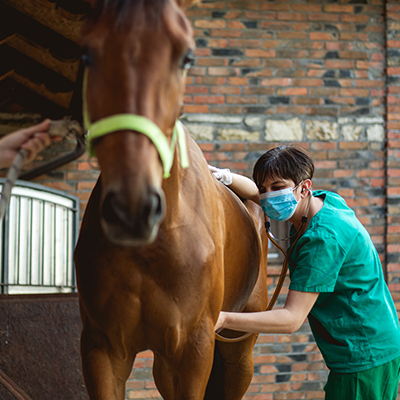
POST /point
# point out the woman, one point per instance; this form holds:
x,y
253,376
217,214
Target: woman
x,y
336,279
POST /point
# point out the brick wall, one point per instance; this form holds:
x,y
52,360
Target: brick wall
x,y
319,73
393,148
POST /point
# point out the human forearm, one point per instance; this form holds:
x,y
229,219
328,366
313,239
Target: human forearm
x,y
240,184
244,187
276,321
285,320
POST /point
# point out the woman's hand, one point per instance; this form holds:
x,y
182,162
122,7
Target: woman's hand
x,y
33,139
220,322
223,175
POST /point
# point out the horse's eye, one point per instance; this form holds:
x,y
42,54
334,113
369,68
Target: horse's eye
x,y
87,57
187,60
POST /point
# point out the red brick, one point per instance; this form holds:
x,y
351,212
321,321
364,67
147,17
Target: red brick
x,y
323,17
228,33
291,16
339,64
291,35
276,26
339,46
291,91
290,110
356,55
354,92
307,82
362,37
276,82
260,53
393,43
214,23
393,70
358,18
274,7
241,100
315,8
225,90
211,62
335,8
195,109
218,43
260,15
321,36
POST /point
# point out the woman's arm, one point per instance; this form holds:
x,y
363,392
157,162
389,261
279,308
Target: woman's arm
x,y
285,320
241,185
244,187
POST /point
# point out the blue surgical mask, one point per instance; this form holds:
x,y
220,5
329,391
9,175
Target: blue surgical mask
x,y
279,205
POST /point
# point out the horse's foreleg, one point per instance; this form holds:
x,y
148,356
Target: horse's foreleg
x,y
184,375
238,366
104,371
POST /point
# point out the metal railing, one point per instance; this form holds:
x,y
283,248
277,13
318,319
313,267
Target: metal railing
x,y
38,238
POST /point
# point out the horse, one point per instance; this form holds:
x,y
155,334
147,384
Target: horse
x,y
163,247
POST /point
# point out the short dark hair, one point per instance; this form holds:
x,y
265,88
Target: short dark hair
x,y
283,162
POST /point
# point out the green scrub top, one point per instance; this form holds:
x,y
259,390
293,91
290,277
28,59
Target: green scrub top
x,y
354,320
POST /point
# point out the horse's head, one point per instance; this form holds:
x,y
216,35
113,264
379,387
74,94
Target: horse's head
x,y
136,53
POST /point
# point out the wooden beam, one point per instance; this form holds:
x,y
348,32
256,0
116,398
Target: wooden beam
x,y
49,15
42,56
62,99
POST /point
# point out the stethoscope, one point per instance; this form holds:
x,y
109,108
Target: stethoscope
x,y
287,255
282,276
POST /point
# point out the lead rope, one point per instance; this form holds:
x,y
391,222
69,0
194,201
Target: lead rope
x,y
60,128
282,276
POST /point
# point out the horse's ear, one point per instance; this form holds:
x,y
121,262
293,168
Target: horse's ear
x,y
186,3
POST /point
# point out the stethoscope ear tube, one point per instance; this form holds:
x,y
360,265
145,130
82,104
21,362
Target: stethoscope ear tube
x,y
285,265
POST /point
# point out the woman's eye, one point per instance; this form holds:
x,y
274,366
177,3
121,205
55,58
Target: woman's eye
x,y
187,60
87,57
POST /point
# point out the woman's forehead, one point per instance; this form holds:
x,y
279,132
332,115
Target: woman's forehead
x,y
273,180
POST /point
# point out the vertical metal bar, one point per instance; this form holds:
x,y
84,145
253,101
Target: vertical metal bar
x,y
42,241
18,236
29,242
5,253
75,233
67,250
54,243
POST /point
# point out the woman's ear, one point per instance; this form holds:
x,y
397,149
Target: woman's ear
x,y
306,186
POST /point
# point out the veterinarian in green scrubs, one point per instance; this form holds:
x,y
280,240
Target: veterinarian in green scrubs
x,y
336,279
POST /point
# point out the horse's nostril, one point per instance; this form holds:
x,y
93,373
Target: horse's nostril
x,y
157,209
108,210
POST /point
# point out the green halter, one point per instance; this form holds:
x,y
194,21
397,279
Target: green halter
x,y
140,124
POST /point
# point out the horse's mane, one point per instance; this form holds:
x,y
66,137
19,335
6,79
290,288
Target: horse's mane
x,y
129,11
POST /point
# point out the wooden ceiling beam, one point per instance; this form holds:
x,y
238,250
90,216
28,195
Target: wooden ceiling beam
x,y
52,16
43,56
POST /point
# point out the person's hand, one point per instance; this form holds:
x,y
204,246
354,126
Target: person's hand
x,y
33,139
223,175
219,325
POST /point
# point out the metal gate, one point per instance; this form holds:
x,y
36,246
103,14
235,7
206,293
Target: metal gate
x,y
39,312
38,239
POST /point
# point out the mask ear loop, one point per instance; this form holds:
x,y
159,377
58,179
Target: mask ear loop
x,y
285,266
267,224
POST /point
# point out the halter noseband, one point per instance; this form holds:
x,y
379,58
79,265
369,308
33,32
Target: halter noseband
x,y
140,124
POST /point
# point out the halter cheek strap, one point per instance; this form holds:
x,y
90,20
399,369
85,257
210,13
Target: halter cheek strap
x,y
140,124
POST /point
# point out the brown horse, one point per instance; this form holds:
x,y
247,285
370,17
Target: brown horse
x,y
157,259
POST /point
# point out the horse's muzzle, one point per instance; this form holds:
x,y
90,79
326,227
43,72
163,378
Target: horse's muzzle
x,y
132,226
